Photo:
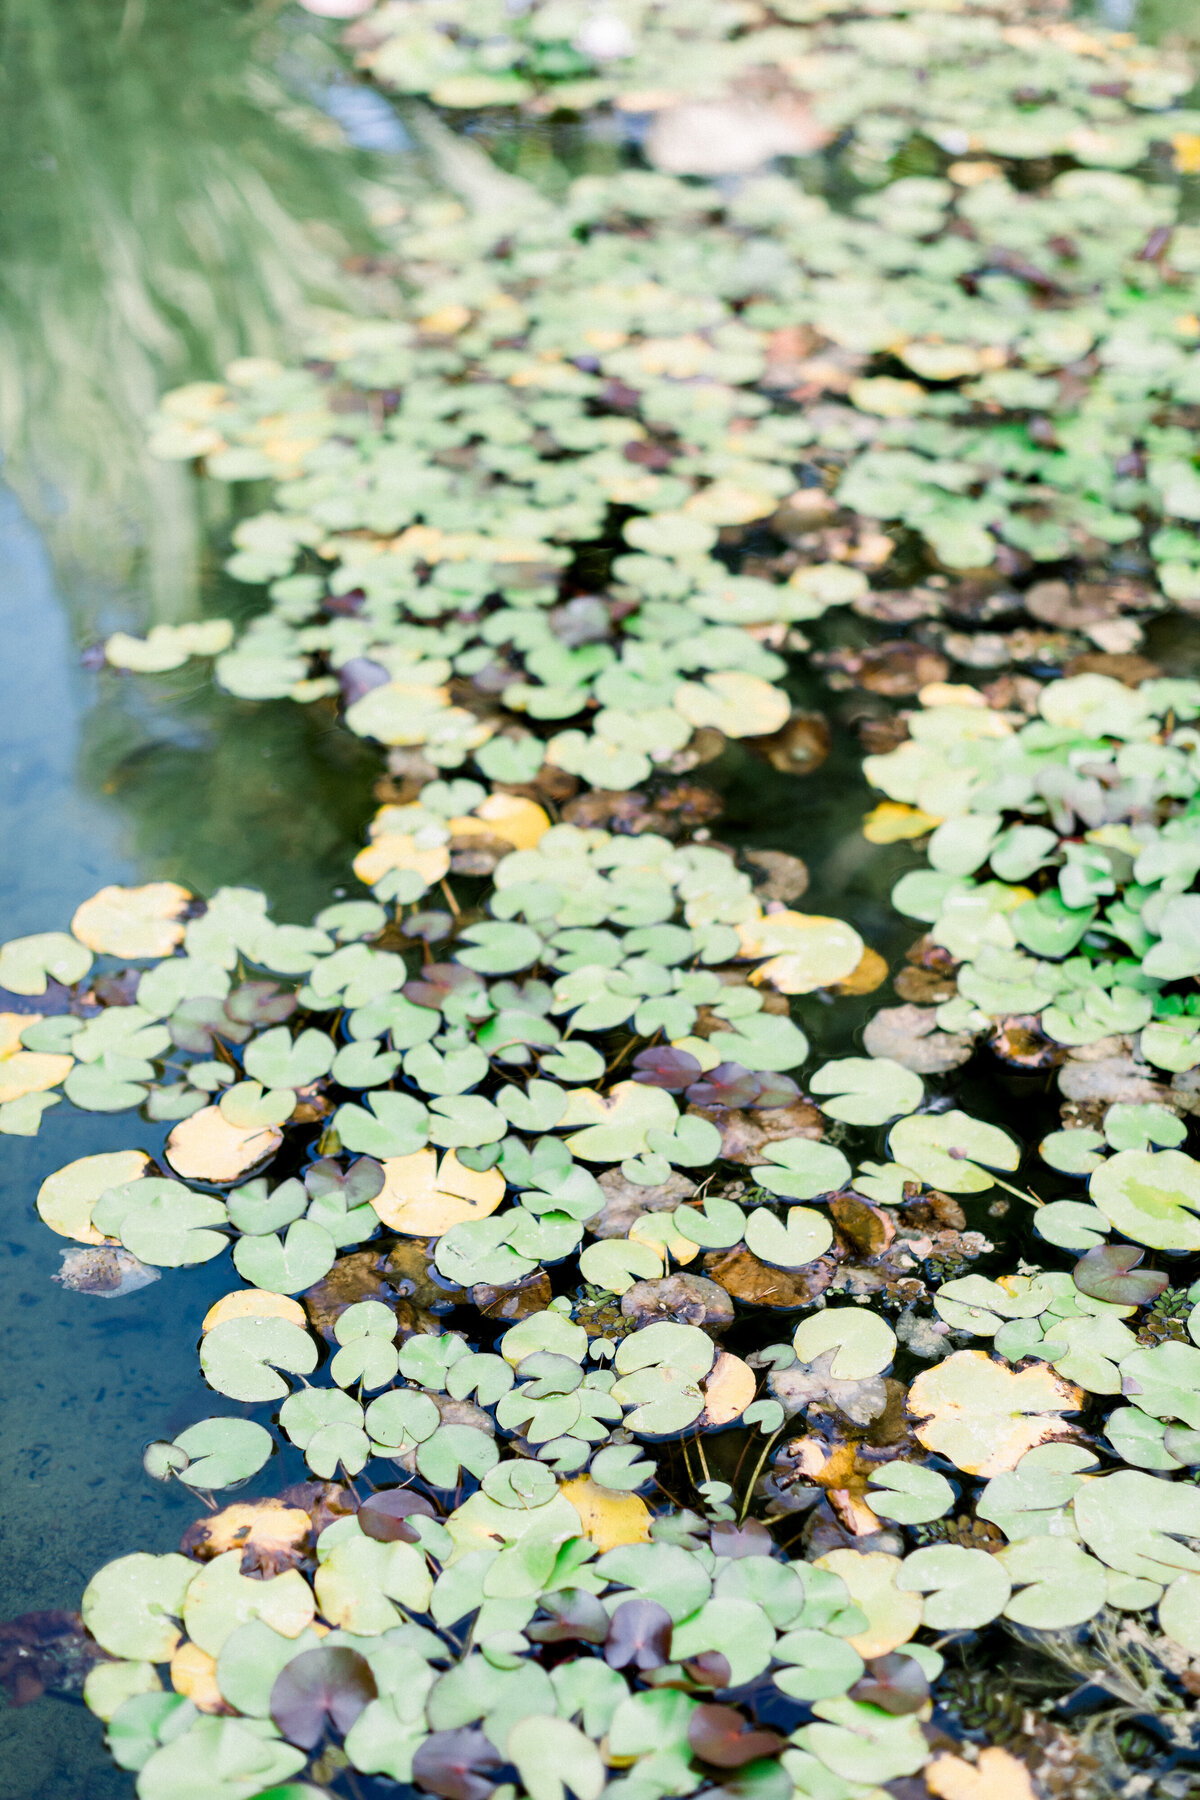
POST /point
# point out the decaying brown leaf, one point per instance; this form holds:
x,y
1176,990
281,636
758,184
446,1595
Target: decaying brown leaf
x,y
1018,1041
896,667
363,1275
812,1385
1110,1079
104,1270
625,1202
271,1535
45,1653
776,875
798,748
683,1299
755,1283
744,1134
867,1229
512,1303
673,812
909,1035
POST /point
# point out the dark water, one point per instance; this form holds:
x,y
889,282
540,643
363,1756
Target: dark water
x,y
179,189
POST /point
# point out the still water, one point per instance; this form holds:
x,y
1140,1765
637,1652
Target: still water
x,y
186,181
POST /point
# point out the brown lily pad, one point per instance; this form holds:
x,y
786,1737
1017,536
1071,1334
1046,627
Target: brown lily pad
x,y
744,1134
625,1202
361,1275
776,875
867,1229
799,747
512,1303
755,1283
682,1299
909,1035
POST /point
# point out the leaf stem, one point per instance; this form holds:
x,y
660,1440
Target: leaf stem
x,y
758,1469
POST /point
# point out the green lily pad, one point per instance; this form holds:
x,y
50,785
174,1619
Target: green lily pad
x,y
1154,1198
286,1265
864,1343
791,1242
800,1169
946,1150
223,1451
867,1090
240,1357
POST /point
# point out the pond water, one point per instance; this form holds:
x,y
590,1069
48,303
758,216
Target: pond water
x,y
185,180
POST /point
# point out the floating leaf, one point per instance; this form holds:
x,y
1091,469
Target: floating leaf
x,y
422,1197
868,1090
791,1242
800,1169
220,1452
940,1148
551,1756
137,922
1153,1197
319,1689
1110,1272
864,1343
964,1588
239,1357
65,1199
132,1605
25,963
207,1147
985,1416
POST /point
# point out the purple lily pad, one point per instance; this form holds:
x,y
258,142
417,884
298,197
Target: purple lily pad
x,y
670,1069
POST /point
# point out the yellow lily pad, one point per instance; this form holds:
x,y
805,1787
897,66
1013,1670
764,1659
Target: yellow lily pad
x,y
207,1147
892,823
194,1673
66,1198
984,1416
31,1072
423,1199
257,1303
806,950
608,1519
739,705
137,922
893,1616
401,852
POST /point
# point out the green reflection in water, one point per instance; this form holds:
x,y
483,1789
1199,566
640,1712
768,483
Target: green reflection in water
x,y
168,206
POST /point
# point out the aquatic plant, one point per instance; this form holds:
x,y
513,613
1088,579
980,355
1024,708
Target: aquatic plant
x,y
470,1141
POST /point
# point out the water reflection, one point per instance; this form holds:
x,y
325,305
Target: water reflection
x,y
168,205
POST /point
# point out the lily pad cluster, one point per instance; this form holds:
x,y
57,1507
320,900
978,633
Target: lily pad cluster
x,y
994,77
539,1634
1062,856
517,498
